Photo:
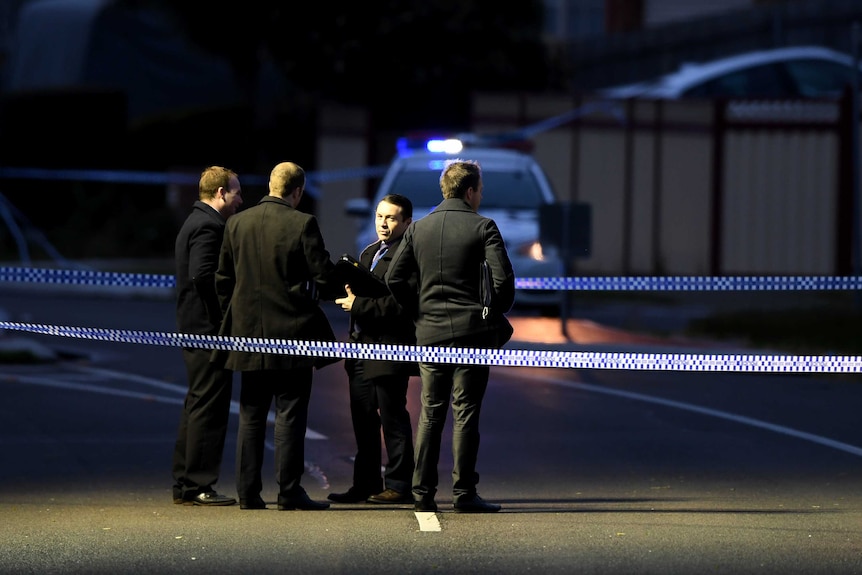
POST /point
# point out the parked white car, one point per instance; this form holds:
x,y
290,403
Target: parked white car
x,y
515,188
793,72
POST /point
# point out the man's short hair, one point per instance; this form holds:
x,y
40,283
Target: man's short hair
x,y
402,202
213,178
285,177
458,176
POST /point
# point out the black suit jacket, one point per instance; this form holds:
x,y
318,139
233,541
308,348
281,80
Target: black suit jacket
x,y
270,255
196,253
447,248
382,320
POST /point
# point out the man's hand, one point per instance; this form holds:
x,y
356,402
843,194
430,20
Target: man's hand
x,y
346,303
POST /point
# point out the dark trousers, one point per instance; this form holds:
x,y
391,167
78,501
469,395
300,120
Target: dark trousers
x,y
376,403
203,425
465,386
291,390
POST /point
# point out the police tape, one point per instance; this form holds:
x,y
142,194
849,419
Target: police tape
x,y
78,277
180,178
693,283
177,178
491,357
476,356
583,283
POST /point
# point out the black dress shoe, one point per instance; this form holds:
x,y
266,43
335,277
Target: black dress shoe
x,y
425,505
210,498
475,504
352,495
302,501
254,503
391,496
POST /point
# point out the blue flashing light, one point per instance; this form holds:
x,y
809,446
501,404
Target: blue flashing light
x,y
437,144
448,146
404,145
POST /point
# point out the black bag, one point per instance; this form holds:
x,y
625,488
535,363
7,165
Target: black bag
x,y
485,291
362,280
500,329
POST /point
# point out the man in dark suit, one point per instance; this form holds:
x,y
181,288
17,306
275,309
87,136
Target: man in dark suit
x,y
273,260
378,389
452,248
203,422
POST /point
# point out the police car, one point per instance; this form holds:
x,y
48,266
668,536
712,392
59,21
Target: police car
x,y
515,188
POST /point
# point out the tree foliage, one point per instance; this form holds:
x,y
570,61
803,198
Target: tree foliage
x,y
410,61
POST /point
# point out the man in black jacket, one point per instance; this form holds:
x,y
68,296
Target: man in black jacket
x,y
452,249
378,389
272,257
203,423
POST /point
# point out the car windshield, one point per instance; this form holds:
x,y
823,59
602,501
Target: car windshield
x,y
501,190
818,79
766,81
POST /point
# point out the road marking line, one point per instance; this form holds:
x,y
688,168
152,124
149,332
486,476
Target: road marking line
x,y
234,406
93,388
846,447
313,470
428,520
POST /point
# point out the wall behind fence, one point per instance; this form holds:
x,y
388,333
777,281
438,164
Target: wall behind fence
x,y
696,187
342,144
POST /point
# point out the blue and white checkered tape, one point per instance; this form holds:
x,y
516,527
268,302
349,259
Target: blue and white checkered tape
x,y
85,277
693,283
506,357
490,357
313,179
585,283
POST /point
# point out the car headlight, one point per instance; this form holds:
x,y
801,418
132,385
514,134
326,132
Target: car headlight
x,y
536,251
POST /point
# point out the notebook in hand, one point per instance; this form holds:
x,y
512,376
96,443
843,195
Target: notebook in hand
x,y
361,280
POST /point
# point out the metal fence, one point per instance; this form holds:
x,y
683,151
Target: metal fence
x,y
698,187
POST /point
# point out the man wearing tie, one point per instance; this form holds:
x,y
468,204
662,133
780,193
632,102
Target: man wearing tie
x,y
378,389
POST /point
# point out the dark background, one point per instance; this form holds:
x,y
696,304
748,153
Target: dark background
x,y
412,65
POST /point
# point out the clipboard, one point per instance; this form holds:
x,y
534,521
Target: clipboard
x,y
362,281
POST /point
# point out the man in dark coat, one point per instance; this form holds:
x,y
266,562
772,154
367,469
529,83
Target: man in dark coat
x,y
203,423
273,260
453,248
378,388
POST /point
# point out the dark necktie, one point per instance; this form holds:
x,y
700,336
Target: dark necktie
x,y
380,252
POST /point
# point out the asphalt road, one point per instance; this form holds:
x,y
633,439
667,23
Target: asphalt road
x,y
598,471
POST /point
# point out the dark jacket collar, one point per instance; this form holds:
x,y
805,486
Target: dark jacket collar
x,y
275,199
208,209
454,204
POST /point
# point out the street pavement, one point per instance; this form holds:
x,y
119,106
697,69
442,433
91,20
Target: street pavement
x,y
612,472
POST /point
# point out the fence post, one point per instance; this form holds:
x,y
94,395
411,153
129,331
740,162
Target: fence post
x,y
854,158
